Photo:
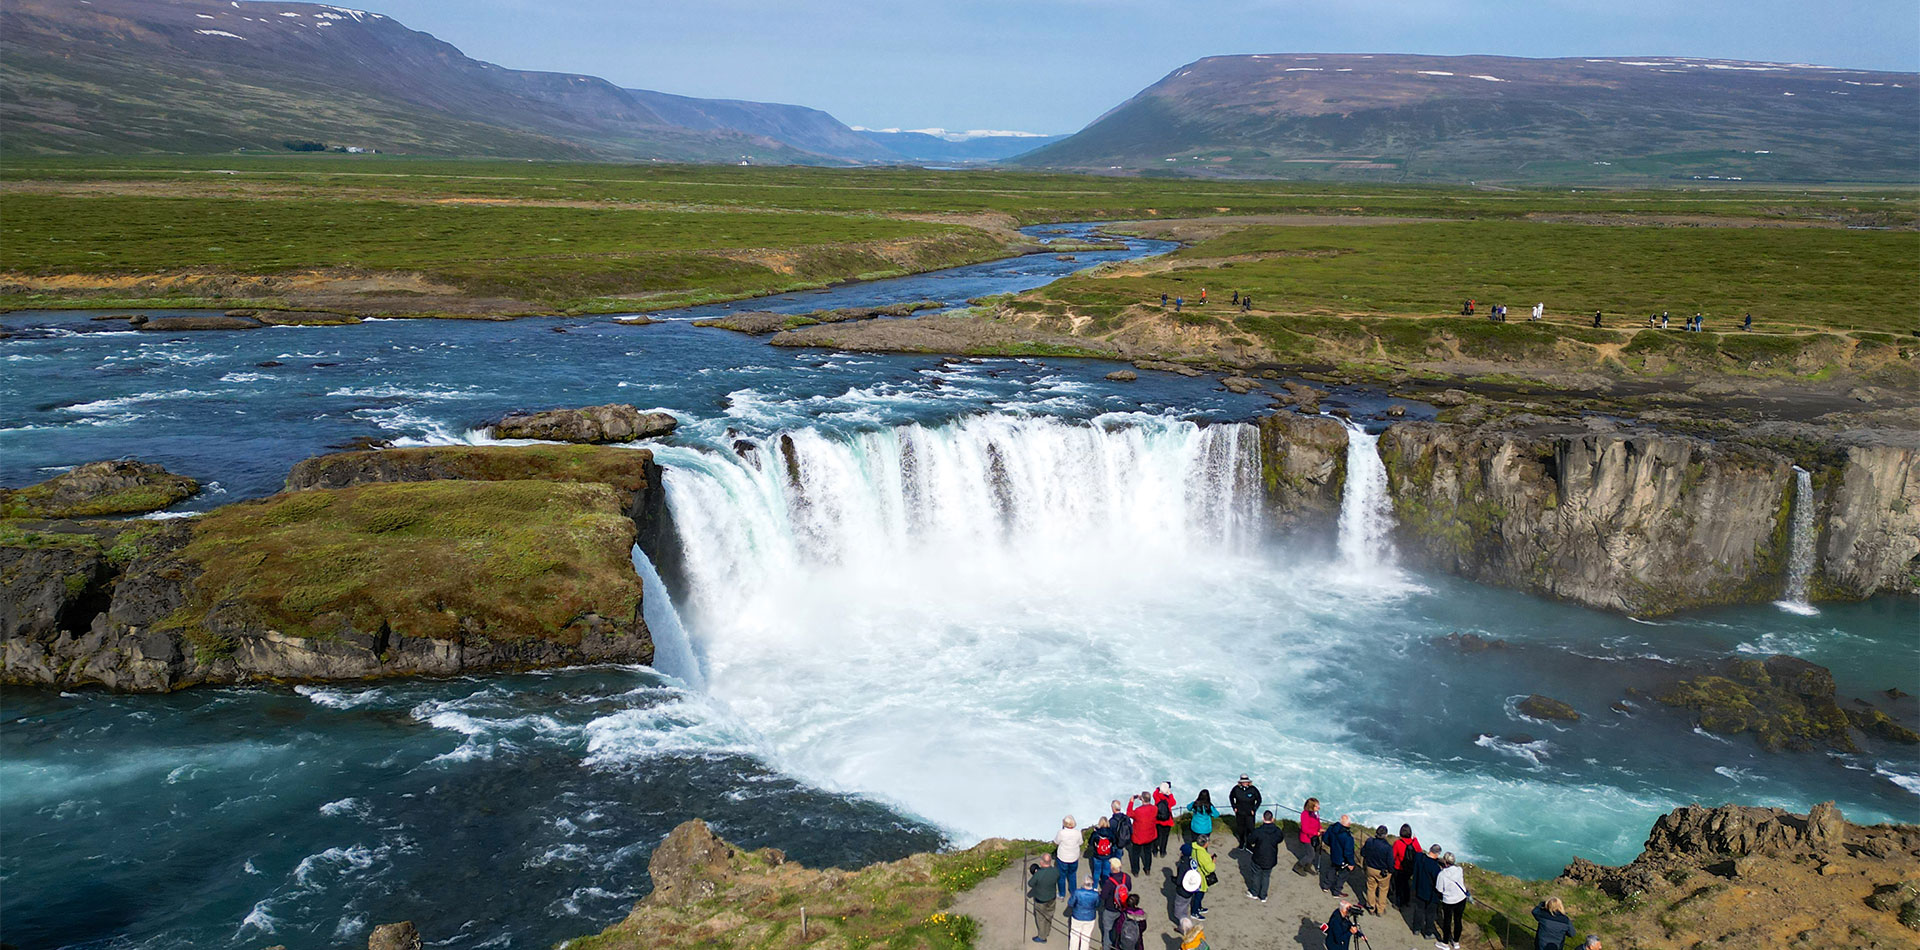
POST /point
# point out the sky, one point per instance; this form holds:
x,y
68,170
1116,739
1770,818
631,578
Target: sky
x,y
1052,66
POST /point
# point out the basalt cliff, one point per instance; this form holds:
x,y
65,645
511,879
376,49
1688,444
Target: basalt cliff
x,y
1618,517
385,563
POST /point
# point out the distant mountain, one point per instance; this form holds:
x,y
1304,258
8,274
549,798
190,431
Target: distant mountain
x,y
1497,118
201,76
943,147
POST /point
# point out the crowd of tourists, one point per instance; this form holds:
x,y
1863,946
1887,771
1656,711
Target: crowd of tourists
x,y
1106,909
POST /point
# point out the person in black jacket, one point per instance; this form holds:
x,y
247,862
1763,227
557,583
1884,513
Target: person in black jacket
x,y
1245,799
1426,892
1377,857
1339,863
1264,848
1553,928
1341,928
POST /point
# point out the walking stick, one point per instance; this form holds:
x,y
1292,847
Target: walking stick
x,y
1019,892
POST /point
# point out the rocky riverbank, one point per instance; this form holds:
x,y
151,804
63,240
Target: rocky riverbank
x,y
397,562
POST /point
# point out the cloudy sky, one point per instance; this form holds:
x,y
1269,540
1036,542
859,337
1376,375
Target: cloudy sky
x,y
1054,65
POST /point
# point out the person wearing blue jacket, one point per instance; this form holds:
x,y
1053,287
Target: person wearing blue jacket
x,y
1083,910
1426,891
1201,813
1339,863
1341,928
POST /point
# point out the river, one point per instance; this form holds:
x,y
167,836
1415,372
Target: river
x,y
995,592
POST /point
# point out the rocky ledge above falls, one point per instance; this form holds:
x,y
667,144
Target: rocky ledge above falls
x,y
434,561
1629,519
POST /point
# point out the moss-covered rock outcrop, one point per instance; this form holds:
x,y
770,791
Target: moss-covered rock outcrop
x,y
709,893
383,578
96,489
1783,701
1303,463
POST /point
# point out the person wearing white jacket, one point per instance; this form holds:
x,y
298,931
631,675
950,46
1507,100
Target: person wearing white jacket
x,y
1452,885
1066,853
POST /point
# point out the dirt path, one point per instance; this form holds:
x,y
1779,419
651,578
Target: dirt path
x,y
1290,918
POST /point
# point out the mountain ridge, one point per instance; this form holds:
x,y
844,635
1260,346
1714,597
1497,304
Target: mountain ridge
x,y
1573,119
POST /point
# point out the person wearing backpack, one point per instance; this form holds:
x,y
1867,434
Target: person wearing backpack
x,y
1130,931
1114,892
1400,889
1083,910
1200,815
1122,824
1102,846
1265,845
1163,805
1188,882
1043,882
1145,822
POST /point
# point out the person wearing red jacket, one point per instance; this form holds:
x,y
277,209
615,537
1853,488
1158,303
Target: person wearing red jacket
x,y
1146,831
1401,887
1164,805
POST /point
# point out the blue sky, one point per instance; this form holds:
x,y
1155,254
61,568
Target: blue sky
x,y
1054,65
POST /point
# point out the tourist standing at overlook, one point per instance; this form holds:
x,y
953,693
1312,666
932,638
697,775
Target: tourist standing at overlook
x,y
1201,813
1310,837
1043,884
1101,846
1146,830
1066,853
1163,805
1552,927
1426,890
1114,890
1452,885
1083,910
1121,822
1339,866
1245,799
1341,928
1377,857
1264,850
1404,848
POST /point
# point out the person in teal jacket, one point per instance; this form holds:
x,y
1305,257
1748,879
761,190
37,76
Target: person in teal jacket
x,y
1201,813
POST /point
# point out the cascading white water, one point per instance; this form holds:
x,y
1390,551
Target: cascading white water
x,y
1366,507
1800,552
672,648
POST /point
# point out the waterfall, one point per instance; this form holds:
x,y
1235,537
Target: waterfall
x,y
672,648
997,490
1366,508
1800,547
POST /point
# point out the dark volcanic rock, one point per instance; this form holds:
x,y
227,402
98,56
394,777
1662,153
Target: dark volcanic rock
x,y
613,422
1303,462
1785,702
204,322
1123,376
1470,642
401,936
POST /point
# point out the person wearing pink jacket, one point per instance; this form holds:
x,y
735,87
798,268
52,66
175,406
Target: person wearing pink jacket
x,y
1316,850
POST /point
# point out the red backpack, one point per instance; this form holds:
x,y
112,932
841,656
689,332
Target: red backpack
x,y
1103,846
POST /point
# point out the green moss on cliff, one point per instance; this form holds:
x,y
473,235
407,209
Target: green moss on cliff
x,y
505,560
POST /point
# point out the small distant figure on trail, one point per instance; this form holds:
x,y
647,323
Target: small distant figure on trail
x,y
1246,303
1663,321
1341,928
1236,297
1699,323
1552,927
1466,309
1203,296
1163,301
1177,301
1043,881
1596,319
1244,798
1539,310
1747,324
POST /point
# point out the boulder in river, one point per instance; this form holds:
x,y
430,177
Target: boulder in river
x,y
1537,706
116,487
401,936
1240,385
1123,376
593,425
1784,702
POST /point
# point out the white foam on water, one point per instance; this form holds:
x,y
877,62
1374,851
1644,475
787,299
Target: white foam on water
x,y
1906,780
1531,751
